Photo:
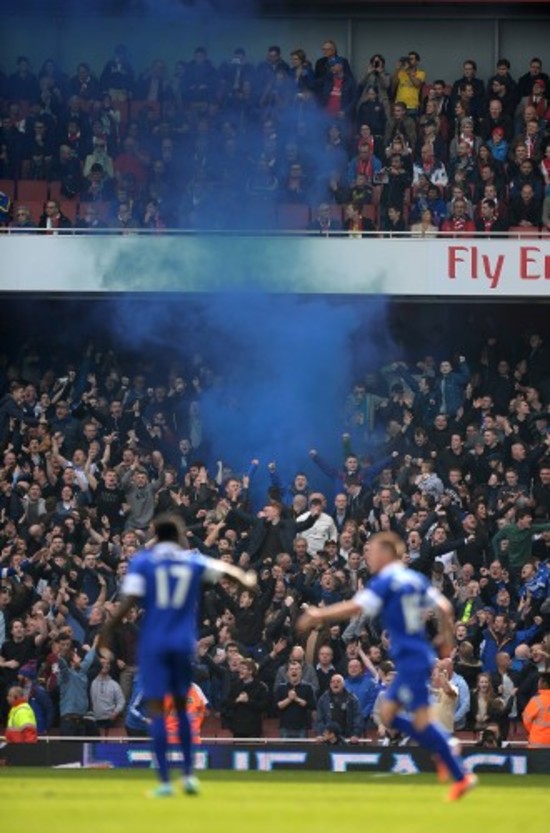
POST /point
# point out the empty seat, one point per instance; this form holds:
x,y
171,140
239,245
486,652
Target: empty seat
x,y
524,231
292,217
32,190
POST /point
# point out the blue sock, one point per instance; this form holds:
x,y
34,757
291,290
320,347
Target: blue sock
x,y
404,725
185,742
433,737
160,746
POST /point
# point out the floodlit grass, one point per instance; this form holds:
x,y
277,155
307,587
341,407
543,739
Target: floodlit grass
x,y
113,801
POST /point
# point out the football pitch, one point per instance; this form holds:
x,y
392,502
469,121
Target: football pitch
x,y
114,801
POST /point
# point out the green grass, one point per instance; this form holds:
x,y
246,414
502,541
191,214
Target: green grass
x,y
113,801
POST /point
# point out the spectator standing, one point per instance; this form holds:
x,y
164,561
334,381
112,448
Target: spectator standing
x,y
106,698
247,702
295,702
536,715
408,80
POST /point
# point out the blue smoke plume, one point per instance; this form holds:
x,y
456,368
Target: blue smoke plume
x,y
282,366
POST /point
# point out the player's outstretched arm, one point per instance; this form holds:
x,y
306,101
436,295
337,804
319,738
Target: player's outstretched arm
x,y
315,616
247,578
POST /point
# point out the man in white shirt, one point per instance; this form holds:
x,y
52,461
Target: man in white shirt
x,y
324,528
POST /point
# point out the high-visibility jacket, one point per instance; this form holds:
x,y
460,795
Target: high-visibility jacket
x,y
536,718
21,726
196,712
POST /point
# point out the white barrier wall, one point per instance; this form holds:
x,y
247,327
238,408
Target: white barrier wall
x,y
213,263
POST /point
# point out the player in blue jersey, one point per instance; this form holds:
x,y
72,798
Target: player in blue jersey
x,y
165,581
403,598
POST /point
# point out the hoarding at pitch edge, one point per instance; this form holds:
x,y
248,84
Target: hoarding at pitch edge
x,y
443,267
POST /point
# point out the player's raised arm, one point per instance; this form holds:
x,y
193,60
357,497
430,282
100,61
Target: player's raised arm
x,y
338,612
445,640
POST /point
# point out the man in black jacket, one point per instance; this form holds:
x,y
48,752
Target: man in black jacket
x,y
247,701
270,534
11,407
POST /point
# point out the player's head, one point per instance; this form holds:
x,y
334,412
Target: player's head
x,y
170,528
383,548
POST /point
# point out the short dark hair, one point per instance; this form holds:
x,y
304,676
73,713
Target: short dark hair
x,y
503,62
170,528
524,513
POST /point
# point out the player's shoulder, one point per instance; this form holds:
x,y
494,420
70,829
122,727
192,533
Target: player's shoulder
x,y
140,560
397,576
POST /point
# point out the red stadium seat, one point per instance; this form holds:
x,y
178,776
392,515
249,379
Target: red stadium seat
x,y
32,190
54,192
370,212
524,231
292,217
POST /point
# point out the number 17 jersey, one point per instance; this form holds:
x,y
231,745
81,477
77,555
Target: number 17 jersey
x,y
402,598
168,581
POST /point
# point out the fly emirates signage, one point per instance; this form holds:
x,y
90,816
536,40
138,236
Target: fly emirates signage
x,y
527,262
404,266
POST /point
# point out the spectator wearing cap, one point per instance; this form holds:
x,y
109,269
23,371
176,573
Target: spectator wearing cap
x,y
498,145
36,696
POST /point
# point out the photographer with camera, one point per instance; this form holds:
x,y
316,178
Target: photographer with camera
x,y
378,79
408,81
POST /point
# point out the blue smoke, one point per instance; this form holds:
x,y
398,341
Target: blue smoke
x,y
282,366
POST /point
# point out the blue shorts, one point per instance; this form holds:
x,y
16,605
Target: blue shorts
x,y
165,672
411,689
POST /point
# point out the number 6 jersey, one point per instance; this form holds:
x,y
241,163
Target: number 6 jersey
x,y
402,598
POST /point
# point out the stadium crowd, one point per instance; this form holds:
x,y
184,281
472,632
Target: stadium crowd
x,y
454,456
286,144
